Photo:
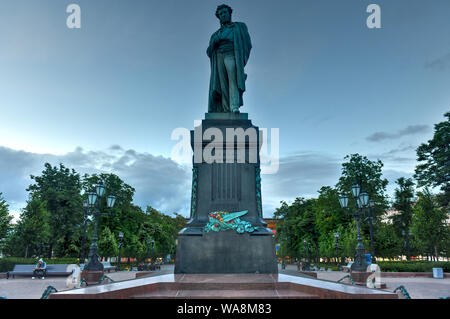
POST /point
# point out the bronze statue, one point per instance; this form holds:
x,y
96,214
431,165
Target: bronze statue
x,y
229,50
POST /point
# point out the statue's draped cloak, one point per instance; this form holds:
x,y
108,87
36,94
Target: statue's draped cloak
x,y
242,47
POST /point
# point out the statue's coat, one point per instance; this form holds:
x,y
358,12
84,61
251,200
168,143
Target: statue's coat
x,y
242,48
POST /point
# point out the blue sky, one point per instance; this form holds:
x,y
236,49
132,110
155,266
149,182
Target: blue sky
x,y
136,70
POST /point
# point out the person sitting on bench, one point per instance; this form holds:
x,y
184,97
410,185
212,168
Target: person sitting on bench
x,y
40,270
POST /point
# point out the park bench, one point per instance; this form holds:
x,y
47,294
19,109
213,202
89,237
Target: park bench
x,y
106,266
348,266
27,270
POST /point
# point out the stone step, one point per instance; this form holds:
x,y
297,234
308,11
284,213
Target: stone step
x,y
226,294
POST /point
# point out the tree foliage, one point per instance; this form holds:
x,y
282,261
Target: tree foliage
x,y
5,219
429,226
434,169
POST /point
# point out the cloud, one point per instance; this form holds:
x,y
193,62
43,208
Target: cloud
x,y
439,64
166,185
410,130
159,181
300,175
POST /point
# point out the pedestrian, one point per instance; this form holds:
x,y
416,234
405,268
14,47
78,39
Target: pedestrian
x,y
40,270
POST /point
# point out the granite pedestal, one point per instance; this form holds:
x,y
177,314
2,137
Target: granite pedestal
x,y
230,182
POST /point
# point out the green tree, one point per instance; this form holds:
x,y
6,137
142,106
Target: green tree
x,y
298,225
429,226
388,243
434,170
5,220
368,175
59,188
404,195
31,230
107,244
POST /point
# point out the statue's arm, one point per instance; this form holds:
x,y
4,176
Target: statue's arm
x,y
212,45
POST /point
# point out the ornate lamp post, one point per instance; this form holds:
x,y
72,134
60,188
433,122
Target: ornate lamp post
x,y
94,265
120,246
370,218
361,200
83,240
336,245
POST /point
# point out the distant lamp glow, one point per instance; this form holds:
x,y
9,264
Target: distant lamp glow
x,y
85,203
355,190
336,235
110,200
371,203
120,235
343,200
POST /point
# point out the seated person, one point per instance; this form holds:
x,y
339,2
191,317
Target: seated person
x,y
40,269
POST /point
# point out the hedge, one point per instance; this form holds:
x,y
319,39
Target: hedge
x,y
413,266
402,266
7,263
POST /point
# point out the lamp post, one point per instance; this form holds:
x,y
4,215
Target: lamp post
x,y
361,200
83,240
336,245
94,264
406,235
370,218
120,246
307,266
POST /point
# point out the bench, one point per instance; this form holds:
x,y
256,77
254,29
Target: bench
x,y
348,267
27,270
106,266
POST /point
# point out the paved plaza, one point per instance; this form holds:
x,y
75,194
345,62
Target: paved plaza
x,y
418,287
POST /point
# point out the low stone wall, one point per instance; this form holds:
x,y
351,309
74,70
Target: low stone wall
x,y
411,274
309,273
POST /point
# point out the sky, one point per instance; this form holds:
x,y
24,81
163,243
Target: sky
x,y
107,97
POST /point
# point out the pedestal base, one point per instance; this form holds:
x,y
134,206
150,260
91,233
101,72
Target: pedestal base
x,y
360,277
226,252
92,276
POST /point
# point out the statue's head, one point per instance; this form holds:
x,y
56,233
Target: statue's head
x,y
223,13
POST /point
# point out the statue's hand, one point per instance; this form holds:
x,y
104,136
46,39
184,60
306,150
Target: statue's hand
x,y
215,41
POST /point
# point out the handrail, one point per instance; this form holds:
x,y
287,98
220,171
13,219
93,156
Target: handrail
x,y
103,278
403,291
347,276
48,291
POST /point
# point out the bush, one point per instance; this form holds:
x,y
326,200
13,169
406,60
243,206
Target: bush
x,y
7,263
413,266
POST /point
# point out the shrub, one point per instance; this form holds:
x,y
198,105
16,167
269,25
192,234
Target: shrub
x,y
413,266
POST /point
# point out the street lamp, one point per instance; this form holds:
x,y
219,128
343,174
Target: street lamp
x,y
406,235
94,263
306,247
120,246
361,200
336,245
370,218
83,240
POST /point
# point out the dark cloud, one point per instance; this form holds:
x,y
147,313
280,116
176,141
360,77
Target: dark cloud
x,y
299,175
159,181
165,185
410,130
439,64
